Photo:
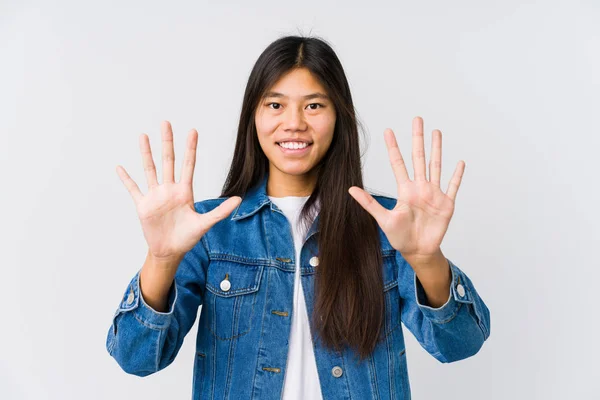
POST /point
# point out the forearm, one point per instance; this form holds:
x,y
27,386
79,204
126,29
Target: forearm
x,y
156,278
435,277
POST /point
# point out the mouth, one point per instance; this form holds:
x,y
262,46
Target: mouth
x,y
294,151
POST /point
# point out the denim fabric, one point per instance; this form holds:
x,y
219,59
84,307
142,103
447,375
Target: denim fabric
x,y
242,341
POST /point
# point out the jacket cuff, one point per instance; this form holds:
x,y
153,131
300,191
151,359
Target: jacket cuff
x,y
460,293
133,301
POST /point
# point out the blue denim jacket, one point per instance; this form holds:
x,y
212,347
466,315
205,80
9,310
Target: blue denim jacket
x,y
242,341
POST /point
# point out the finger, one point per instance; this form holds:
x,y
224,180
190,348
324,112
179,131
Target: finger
x,y
456,179
189,159
129,183
168,154
418,149
370,204
221,212
435,164
396,159
147,161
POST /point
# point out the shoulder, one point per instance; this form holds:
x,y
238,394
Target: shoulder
x,y
220,237
387,202
207,205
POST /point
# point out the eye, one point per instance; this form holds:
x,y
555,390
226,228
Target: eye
x,y
274,108
315,104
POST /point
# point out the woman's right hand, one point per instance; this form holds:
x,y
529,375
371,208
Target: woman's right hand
x,y
169,220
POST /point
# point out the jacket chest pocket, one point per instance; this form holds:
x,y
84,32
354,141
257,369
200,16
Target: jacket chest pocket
x,y
231,297
391,295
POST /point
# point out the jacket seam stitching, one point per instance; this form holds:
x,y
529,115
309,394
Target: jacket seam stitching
x,y
149,325
373,375
158,352
451,317
390,364
262,323
230,360
346,376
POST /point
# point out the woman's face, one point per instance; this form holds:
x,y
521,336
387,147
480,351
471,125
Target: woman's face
x,y
295,123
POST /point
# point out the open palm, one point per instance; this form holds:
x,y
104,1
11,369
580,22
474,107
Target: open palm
x,y
170,223
417,224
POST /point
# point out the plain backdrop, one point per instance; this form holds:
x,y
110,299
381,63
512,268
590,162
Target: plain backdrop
x,y
512,85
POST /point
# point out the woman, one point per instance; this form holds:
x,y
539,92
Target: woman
x,y
304,278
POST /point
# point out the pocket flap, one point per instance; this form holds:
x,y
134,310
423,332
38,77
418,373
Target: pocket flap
x,y
243,278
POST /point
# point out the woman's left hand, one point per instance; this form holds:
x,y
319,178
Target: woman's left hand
x,y
417,224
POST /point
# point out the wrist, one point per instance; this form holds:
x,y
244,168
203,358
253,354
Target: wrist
x,y
168,263
426,261
156,278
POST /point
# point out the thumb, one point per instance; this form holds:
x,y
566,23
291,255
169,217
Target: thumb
x,y
219,213
369,203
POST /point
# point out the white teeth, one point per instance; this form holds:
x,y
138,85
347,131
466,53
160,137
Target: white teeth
x,y
293,145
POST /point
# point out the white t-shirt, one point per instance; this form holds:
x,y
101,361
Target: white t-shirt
x,y
301,377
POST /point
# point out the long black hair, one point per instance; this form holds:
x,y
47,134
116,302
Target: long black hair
x,y
349,301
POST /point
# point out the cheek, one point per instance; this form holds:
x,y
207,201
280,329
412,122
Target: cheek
x,y
265,129
324,127
265,125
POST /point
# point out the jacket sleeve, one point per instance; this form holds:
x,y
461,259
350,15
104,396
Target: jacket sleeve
x,y
452,332
144,341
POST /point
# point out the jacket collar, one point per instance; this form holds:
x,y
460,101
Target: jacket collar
x,y
256,198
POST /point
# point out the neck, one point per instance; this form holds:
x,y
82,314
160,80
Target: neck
x,y
283,185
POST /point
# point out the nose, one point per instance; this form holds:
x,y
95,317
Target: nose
x,y
294,120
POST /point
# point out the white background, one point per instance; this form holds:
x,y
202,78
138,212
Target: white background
x,y
512,85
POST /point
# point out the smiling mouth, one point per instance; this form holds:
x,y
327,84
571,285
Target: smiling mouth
x,y
293,150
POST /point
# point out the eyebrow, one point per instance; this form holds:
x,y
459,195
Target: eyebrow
x,y
316,95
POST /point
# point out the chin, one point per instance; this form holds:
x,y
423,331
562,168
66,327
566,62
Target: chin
x,y
294,171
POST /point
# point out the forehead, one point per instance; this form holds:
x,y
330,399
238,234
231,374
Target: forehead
x,y
298,82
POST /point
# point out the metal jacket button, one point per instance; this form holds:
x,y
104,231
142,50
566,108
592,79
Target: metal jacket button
x,y
314,261
461,290
225,284
337,371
